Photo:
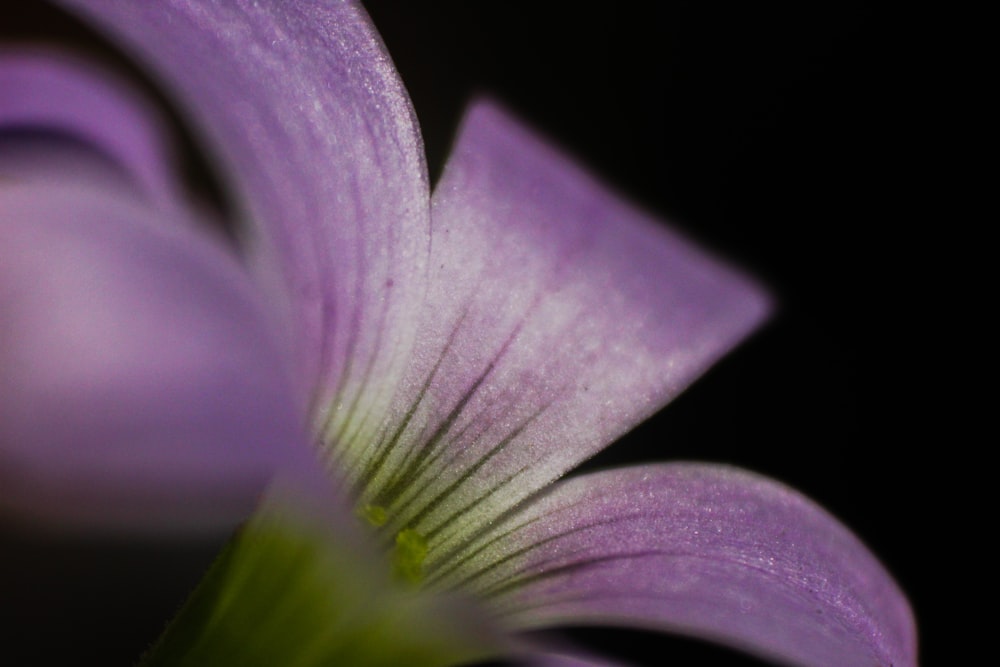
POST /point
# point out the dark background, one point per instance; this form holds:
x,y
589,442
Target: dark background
x,y
797,139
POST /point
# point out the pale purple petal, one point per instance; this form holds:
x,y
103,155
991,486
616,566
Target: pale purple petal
x,y
60,96
143,386
303,111
706,550
558,318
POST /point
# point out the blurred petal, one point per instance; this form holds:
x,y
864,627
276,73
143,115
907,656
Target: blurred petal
x,y
558,318
300,585
705,550
56,96
314,132
142,386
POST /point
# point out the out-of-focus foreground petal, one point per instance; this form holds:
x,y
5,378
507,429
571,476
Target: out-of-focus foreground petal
x,y
692,548
59,97
303,111
558,318
301,584
142,384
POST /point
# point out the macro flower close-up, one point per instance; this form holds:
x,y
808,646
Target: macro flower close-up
x,y
376,384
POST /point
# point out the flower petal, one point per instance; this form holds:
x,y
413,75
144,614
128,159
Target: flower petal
x,y
57,95
558,317
315,135
706,550
143,386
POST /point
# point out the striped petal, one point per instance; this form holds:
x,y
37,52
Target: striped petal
x,y
143,386
558,317
704,550
311,128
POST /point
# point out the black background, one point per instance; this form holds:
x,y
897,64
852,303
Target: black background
x,y
796,139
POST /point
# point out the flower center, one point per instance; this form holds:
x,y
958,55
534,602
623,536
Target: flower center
x,y
410,550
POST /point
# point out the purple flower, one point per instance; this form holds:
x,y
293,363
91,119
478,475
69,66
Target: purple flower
x,y
449,356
